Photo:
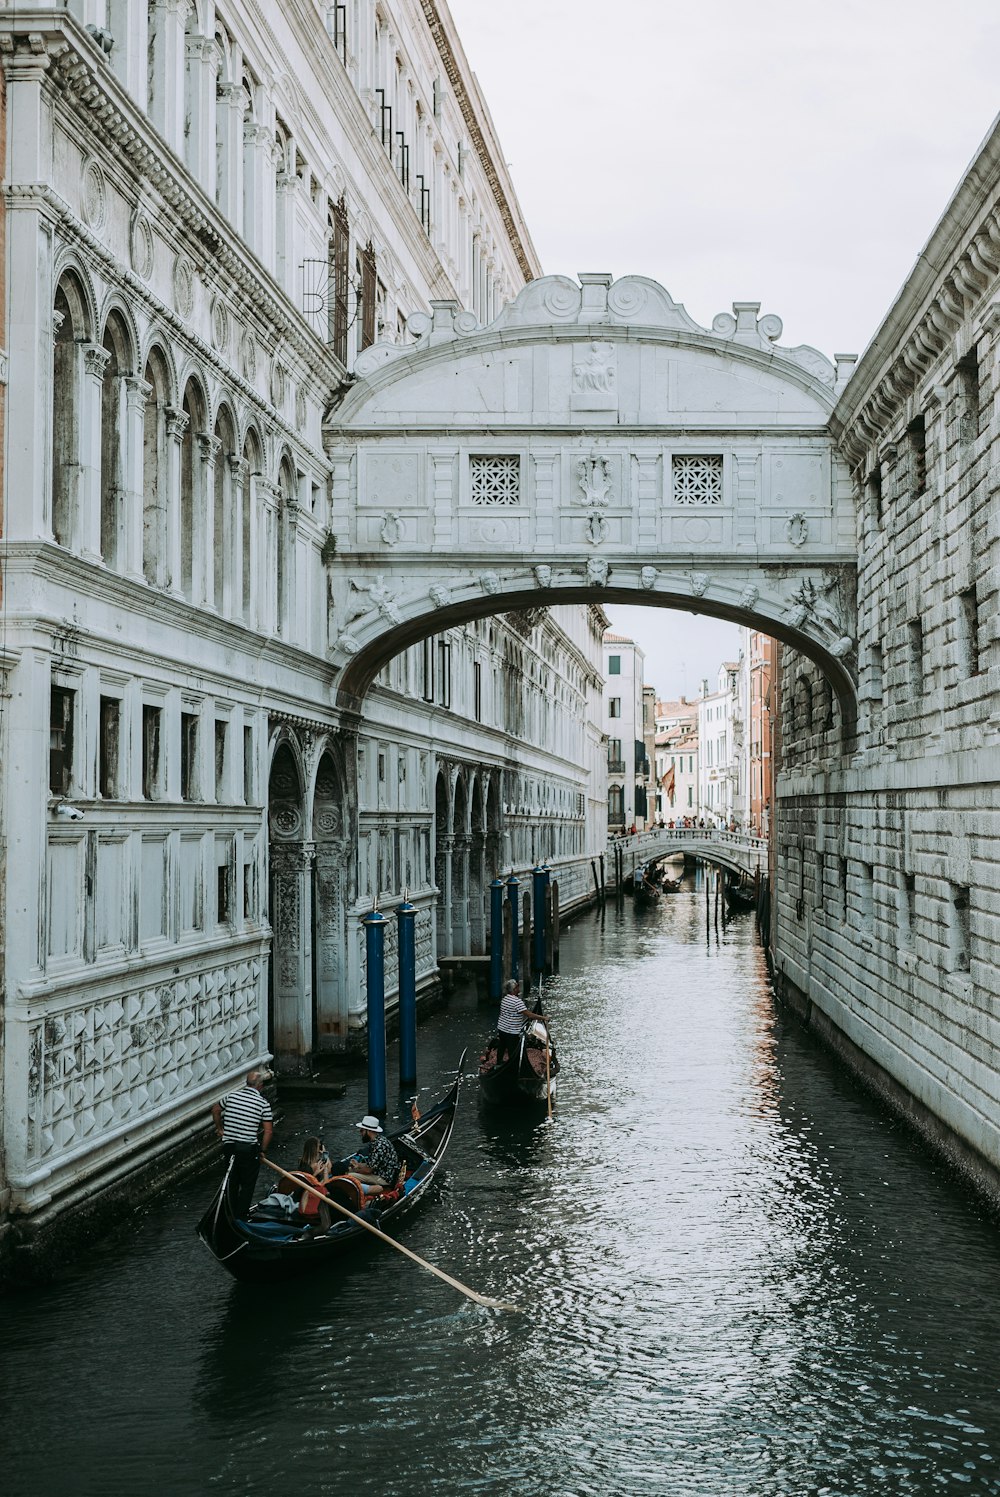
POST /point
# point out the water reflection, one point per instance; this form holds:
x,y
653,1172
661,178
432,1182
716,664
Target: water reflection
x,y
736,1275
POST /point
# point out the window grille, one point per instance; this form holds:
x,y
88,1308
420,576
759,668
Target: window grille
x,y
495,480
340,240
697,480
336,25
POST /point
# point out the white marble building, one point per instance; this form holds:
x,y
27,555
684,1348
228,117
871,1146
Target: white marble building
x,y
623,725
212,209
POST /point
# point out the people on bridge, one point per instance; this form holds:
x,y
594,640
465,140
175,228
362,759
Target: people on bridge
x,y
376,1164
513,1016
244,1122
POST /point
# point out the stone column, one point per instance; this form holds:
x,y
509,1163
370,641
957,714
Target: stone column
x,y
291,954
176,424
137,394
256,150
267,556
443,879
95,362
289,538
166,73
252,539
202,72
230,107
284,257
460,895
203,540
238,469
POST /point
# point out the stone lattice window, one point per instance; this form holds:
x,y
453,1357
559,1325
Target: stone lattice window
x,y
697,480
495,480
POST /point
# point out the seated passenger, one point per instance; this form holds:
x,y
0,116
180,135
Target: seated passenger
x,y
376,1165
313,1169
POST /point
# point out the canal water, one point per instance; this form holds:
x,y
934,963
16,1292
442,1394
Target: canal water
x,y
737,1278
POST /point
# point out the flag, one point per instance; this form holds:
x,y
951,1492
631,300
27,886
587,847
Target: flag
x,y
667,783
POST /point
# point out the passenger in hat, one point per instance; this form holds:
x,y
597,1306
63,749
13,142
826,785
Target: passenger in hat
x,y
376,1164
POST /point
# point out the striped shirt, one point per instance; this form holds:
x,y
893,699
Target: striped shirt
x,y
243,1111
511,1013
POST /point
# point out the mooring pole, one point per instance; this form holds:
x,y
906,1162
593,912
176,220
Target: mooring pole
x,y
496,939
526,937
515,926
406,920
539,878
374,924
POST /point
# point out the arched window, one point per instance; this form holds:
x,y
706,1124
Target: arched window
x,y
154,481
803,705
69,330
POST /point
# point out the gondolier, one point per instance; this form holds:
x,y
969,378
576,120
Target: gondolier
x,y
513,1016
244,1122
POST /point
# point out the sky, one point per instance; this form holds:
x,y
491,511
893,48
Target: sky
x,y
792,153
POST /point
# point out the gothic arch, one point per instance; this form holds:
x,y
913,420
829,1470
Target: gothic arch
x,y
117,320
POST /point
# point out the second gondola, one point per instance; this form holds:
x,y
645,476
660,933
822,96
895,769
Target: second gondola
x,y
530,1078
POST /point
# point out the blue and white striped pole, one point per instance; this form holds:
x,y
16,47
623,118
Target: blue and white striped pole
x,y
406,919
374,924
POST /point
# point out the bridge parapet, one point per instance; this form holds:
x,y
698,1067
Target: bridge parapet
x,y
738,851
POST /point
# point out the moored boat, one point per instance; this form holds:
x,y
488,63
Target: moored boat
x,y
739,895
525,1079
262,1249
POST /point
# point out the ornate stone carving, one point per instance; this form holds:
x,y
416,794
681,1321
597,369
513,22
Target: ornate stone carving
x,y
96,360
183,286
797,530
597,571
279,385
220,325
379,596
248,358
489,582
439,595
391,529
648,576
593,475
94,196
594,369
543,574
177,423
348,644
300,409
597,529
140,245
699,583
100,1066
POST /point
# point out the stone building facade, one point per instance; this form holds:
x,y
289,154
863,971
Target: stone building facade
x,y
211,214
888,904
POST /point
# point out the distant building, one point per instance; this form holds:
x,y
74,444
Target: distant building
x,y
719,770
676,759
623,723
760,761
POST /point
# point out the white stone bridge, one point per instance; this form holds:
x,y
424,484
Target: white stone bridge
x,y
736,851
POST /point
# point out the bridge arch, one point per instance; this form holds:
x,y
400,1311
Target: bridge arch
x,y
592,444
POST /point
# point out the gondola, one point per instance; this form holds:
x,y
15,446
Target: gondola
x,y
739,896
644,888
261,1250
523,1081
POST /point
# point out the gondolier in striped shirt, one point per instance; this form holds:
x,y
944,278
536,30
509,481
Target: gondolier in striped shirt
x,y
513,1016
244,1122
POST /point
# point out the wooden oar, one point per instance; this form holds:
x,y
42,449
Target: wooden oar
x,y
548,1077
480,1299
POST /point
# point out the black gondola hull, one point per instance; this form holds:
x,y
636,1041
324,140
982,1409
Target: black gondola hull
x,y
264,1253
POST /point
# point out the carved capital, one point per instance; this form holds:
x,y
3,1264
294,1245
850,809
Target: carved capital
x,y
238,467
210,446
96,360
137,393
177,423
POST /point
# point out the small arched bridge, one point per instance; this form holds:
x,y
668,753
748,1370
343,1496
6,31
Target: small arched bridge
x,y
737,851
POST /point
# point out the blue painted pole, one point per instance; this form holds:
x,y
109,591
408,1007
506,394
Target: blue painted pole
x,y
374,925
496,939
539,877
515,926
406,919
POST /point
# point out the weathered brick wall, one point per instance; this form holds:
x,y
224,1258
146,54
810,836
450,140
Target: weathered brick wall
x,y
887,928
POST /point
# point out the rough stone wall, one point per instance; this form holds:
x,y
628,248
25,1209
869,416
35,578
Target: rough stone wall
x,y
888,874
